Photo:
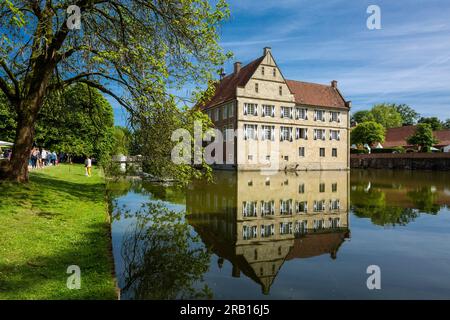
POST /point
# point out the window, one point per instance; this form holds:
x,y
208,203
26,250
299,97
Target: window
x,y
224,111
231,110
335,116
249,232
286,228
334,152
334,187
335,222
322,187
319,224
301,133
249,209
319,205
301,188
286,207
267,230
216,114
322,152
262,70
250,157
268,159
268,133
335,135
268,110
267,208
286,112
256,87
335,204
250,109
301,151
274,72
250,132
301,113
319,115
301,206
301,227
319,134
280,90
286,158
285,134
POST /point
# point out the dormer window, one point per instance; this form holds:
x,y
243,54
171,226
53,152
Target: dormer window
x,y
274,72
256,87
262,70
280,90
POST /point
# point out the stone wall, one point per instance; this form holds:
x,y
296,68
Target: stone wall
x,y
407,161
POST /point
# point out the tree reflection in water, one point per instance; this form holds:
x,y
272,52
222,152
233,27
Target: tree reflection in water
x,y
163,257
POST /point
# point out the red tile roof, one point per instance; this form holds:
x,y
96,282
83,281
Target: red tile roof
x,y
316,94
226,88
396,137
443,136
305,93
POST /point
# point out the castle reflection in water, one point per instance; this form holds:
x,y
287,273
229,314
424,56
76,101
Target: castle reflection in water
x,y
257,222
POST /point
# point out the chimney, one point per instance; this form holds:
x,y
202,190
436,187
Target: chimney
x,y
334,84
266,50
237,67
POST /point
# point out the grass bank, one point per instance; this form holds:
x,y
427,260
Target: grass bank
x,y
58,219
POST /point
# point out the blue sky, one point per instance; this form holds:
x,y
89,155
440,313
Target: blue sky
x,y
407,61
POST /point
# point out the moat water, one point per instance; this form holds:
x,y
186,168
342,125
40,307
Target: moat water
x,y
310,235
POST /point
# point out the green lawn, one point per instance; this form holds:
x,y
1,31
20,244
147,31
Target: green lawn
x,y
58,219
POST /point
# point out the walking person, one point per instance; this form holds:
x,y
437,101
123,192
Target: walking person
x,y
88,166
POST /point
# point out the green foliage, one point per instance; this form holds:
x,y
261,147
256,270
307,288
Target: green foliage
x,y
434,123
389,150
122,141
7,120
423,137
163,258
367,133
135,51
153,139
387,115
447,124
362,116
78,121
408,114
359,151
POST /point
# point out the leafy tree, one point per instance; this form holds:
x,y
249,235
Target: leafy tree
x,y
423,137
447,124
386,115
368,132
434,122
122,140
408,114
132,50
362,116
78,121
154,138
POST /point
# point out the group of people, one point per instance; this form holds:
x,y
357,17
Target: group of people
x,y
40,158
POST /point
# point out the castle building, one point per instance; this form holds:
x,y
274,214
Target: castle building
x,y
281,124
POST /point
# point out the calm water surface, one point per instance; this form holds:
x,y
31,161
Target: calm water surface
x,y
286,236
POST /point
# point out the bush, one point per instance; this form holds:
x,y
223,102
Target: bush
x,y
359,151
389,150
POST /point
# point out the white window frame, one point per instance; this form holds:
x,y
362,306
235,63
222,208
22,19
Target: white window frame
x,y
268,113
297,113
247,132
252,105
282,134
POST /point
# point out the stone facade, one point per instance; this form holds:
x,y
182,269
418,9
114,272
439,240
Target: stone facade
x,y
259,100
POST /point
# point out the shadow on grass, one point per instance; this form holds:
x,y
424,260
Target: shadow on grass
x,y
44,189
45,277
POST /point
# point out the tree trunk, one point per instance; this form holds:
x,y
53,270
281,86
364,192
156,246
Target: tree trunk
x,y
18,166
